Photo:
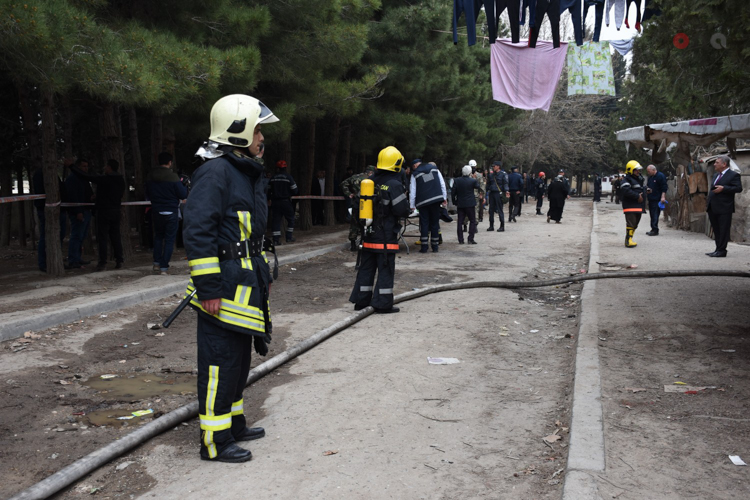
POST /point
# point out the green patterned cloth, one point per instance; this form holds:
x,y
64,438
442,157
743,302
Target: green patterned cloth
x,y
590,69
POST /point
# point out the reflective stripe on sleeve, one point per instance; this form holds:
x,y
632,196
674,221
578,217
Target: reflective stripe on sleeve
x,y
209,265
399,198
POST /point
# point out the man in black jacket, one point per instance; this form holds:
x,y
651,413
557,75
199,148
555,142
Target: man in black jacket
x,y
107,201
380,241
720,203
464,189
497,184
515,185
165,190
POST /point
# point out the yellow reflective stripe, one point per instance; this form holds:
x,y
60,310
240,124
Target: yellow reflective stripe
x,y
238,407
216,423
213,269
242,321
208,441
207,260
213,383
244,218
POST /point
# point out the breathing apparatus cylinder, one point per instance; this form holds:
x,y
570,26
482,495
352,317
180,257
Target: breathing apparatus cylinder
x,y
366,192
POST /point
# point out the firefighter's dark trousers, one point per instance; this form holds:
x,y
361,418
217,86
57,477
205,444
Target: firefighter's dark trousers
x,y
381,295
285,209
223,365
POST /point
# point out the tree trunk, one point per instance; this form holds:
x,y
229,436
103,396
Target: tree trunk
x,y
138,177
333,148
51,186
111,139
30,121
67,119
157,139
305,180
21,209
6,209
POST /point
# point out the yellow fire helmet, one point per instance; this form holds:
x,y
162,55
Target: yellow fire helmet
x,y
632,166
234,118
391,159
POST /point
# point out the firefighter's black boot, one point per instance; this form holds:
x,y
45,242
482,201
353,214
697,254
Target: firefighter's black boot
x,y
353,246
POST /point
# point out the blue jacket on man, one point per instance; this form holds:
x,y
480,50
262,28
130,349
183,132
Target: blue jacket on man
x,y
658,185
515,182
164,189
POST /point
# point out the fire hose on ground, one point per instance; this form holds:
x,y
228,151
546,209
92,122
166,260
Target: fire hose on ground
x,y
83,466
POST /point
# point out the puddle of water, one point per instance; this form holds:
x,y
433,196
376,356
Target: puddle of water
x,y
141,386
110,418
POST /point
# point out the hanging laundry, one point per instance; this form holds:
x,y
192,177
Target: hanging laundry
x,y
552,9
637,14
619,12
523,77
622,46
598,14
590,69
489,12
649,11
574,6
470,9
524,4
514,15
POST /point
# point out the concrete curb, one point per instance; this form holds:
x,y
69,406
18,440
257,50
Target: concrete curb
x,y
586,452
39,321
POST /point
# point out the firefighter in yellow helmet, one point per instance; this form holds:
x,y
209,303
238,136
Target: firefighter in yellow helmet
x,y
380,241
633,194
225,219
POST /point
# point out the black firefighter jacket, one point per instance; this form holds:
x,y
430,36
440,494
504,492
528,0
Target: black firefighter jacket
x,y
391,203
227,204
630,188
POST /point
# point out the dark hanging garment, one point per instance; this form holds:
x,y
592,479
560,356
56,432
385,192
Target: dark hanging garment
x,y
514,15
649,11
599,13
574,7
552,9
637,14
489,12
470,9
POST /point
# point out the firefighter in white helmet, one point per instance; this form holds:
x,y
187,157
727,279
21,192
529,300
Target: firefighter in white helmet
x,y
225,219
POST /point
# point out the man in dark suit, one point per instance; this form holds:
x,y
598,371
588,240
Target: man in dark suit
x,y
720,203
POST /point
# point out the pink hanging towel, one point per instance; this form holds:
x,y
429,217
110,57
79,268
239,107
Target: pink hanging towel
x,y
523,77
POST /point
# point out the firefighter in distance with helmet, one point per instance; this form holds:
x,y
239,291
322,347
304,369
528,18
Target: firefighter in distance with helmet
x,y
383,202
633,194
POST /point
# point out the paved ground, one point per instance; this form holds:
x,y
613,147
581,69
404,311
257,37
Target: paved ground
x,y
364,415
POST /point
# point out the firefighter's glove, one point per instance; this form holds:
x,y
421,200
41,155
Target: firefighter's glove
x,y
260,345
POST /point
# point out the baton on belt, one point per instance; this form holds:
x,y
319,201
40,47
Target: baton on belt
x,y
179,309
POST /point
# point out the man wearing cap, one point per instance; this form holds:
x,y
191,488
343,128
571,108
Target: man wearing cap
x,y
281,188
657,193
350,188
428,193
497,184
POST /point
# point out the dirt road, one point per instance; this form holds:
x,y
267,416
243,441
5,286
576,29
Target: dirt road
x,y
399,427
